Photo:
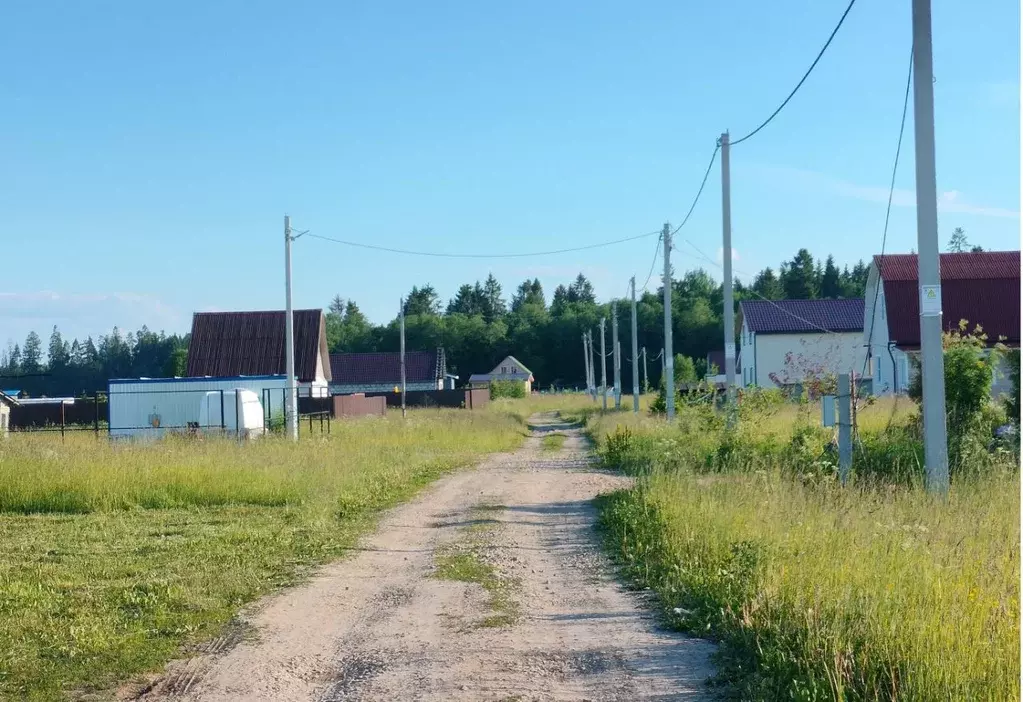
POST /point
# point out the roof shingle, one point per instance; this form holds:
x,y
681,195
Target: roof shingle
x,y
802,316
982,288
376,368
252,343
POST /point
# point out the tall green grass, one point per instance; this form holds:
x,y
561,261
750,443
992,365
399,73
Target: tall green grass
x,y
114,556
871,592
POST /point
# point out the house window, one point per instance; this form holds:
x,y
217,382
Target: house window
x,y
504,369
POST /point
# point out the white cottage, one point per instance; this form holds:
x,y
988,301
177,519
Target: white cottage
x,y
784,342
510,368
982,288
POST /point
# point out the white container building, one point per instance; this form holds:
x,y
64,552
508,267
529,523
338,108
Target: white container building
x,y
152,407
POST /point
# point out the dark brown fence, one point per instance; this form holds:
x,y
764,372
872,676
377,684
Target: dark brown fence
x,y
84,412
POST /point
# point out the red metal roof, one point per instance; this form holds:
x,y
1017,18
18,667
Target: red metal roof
x,y
983,265
802,316
252,343
982,288
377,368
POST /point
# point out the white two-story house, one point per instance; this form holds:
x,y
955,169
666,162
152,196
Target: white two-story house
x,y
785,342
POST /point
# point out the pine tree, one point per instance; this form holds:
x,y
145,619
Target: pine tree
x,y
337,305
831,285
958,243
581,290
32,355
801,282
766,285
494,306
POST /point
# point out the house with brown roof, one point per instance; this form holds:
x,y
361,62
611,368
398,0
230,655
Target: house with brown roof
x,y
981,287
784,343
233,344
381,372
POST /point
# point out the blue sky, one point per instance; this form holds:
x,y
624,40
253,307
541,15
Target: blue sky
x,y
148,154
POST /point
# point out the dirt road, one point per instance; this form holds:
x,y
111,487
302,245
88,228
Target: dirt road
x,y
535,615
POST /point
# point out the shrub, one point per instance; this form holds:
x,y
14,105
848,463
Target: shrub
x,y
507,388
809,451
894,456
1011,401
617,447
968,374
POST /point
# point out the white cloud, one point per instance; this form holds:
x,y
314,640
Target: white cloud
x,y
84,314
1002,93
949,201
721,254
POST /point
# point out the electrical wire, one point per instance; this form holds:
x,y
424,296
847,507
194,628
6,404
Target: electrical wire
x,y
657,251
888,211
436,254
801,80
699,192
765,299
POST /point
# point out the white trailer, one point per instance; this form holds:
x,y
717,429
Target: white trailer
x,y
152,407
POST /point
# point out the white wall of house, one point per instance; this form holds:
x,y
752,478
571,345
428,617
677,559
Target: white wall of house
x,y
337,389
892,369
792,357
889,368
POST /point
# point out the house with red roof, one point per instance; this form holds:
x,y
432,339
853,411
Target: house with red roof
x,y
982,288
785,343
381,372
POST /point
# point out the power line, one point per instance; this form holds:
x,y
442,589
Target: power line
x,y
801,80
700,191
437,254
888,212
657,252
765,299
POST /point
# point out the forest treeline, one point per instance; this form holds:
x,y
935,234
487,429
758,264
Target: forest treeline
x,y
477,328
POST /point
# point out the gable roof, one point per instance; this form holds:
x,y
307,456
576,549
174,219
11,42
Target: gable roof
x,y
252,343
517,362
8,399
376,368
802,316
982,288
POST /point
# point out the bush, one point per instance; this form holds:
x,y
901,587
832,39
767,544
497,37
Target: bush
x,y
969,370
894,456
515,389
617,447
1011,401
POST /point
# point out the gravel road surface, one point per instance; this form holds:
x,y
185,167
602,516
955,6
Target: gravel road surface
x,y
381,625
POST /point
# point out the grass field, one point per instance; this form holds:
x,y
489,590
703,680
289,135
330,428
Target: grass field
x,y
112,557
818,592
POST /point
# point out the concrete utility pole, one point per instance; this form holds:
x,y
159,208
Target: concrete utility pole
x,y
669,366
844,426
586,363
593,366
291,396
726,255
931,353
635,352
401,315
616,349
603,365
646,381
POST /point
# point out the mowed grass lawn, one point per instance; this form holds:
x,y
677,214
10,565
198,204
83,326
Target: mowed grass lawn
x,y
819,592
114,557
